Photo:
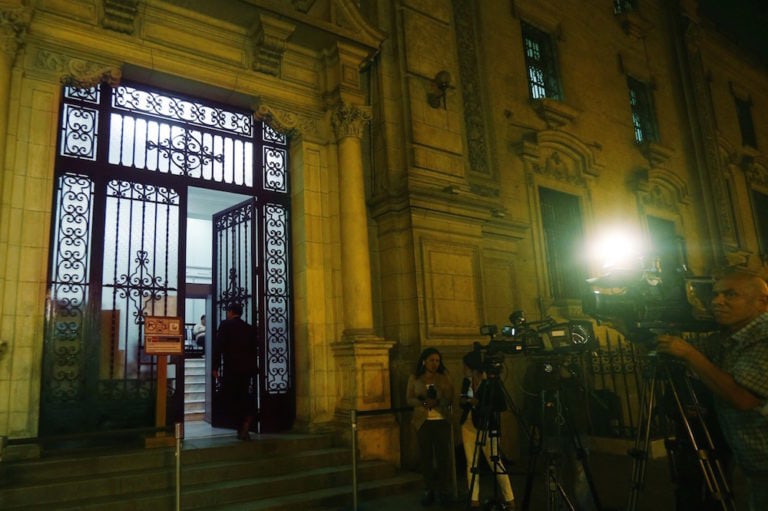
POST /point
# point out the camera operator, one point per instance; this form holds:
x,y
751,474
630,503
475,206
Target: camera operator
x,y
733,364
478,417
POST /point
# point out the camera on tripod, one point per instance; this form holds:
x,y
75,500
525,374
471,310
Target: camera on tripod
x,y
641,303
545,337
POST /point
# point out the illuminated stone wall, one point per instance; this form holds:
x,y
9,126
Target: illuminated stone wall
x,y
416,213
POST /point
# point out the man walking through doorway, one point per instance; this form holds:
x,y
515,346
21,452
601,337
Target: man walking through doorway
x,y
234,360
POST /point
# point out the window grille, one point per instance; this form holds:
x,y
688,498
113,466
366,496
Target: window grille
x,y
747,127
563,233
643,118
543,80
760,202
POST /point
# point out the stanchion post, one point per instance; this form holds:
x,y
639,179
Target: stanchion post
x,y
179,434
354,460
454,482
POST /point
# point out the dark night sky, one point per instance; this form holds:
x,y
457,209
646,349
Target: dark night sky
x,y
744,21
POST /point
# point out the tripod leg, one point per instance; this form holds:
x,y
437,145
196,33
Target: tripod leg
x,y
710,466
642,441
581,458
534,448
480,437
556,494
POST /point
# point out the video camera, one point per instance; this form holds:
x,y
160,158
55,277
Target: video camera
x,y
545,337
643,303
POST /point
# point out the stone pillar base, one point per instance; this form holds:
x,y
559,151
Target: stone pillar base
x,y
378,436
364,386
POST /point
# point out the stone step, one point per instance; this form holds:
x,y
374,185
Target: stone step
x,y
195,378
208,486
191,407
193,388
92,463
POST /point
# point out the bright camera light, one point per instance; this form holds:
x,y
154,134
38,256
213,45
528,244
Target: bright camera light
x,y
618,249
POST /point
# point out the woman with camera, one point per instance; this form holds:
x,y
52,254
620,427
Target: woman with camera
x,y
430,393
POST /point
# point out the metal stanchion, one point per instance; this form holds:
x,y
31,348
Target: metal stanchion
x,y
454,482
179,434
354,460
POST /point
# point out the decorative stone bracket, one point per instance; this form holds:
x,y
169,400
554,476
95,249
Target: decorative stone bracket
x,y
555,113
270,38
120,15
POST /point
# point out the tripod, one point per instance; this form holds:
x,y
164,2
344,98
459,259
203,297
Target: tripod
x,y
659,372
492,400
556,427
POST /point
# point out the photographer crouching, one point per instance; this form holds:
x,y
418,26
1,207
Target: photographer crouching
x,y
733,365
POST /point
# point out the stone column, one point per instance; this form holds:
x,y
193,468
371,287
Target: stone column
x,y
348,123
362,357
12,29
13,23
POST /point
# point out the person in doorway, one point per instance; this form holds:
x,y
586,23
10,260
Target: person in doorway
x,y
479,431
234,351
198,332
733,365
430,393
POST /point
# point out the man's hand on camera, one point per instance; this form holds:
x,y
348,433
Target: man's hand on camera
x,y
675,346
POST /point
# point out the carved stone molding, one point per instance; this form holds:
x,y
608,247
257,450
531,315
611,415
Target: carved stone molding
x,y
13,29
120,15
560,156
349,120
286,120
270,36
656,154
302,5
555,113
756,174
660,189
476,130
77,72
634,24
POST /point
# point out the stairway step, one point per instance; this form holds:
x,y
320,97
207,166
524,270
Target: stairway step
x,y
153,490
193,387
194,397
329,498
273,472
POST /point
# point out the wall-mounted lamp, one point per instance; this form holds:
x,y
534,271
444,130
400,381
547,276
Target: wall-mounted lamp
x,y
441,83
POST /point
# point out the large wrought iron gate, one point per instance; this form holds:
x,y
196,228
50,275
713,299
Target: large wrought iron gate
x,y
96,375
127,158
251,268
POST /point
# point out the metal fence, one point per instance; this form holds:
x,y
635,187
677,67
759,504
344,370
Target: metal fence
x,y
617,376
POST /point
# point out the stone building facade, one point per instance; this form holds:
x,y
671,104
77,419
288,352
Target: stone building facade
x,y
449,161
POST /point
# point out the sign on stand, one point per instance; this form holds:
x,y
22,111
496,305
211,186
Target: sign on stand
x,y
163,336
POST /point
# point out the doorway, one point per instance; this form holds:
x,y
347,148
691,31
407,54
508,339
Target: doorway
x,y
140,173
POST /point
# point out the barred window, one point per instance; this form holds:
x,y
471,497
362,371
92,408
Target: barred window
x,y
563,237
543,80
643,117
760,202
744,112
624,6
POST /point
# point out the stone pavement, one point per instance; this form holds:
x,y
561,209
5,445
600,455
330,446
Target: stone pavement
x,y
612,476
